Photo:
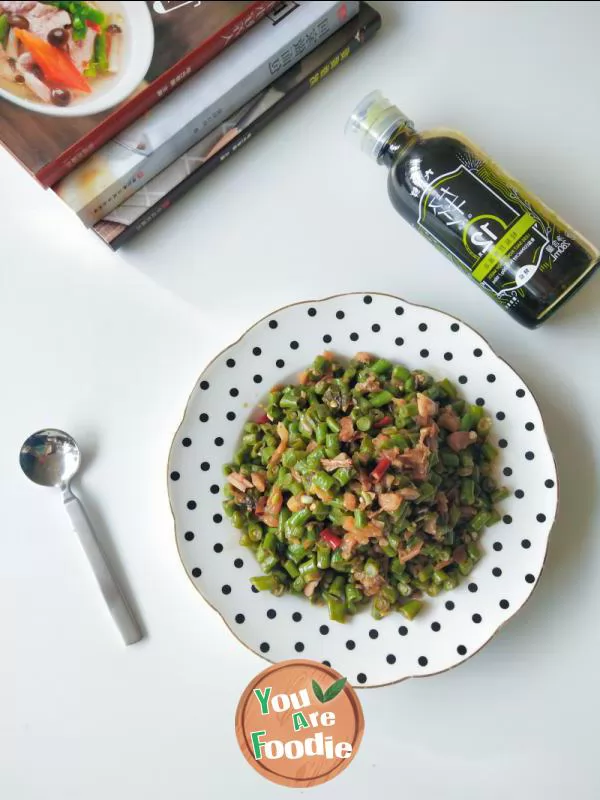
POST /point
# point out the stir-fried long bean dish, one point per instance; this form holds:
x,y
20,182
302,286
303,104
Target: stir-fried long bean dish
x,y
365,482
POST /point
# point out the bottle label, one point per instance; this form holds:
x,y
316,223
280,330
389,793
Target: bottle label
x,y
487,224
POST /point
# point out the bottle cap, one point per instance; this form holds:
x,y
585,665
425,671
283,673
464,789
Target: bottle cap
x,y
372,123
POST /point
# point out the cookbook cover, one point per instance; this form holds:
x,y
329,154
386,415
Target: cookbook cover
x,y
73,74
144,149
135,214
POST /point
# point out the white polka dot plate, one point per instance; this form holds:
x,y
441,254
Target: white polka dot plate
x,y
452,626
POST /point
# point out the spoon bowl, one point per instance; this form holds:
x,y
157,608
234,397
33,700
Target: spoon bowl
x,y
50,457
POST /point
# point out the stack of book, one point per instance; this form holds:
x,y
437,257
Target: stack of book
x,y
122,107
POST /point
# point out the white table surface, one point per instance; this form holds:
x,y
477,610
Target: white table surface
x,y
108,347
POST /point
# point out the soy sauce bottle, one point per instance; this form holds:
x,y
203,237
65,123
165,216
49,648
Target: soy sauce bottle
x,y
518,251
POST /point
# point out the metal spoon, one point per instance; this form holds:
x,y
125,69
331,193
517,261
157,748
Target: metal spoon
x,y
51,458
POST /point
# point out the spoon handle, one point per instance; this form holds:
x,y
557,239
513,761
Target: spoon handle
x,y
117,605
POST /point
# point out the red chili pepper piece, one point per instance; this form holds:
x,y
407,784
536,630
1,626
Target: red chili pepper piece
x,y
383,422
327,535
381,468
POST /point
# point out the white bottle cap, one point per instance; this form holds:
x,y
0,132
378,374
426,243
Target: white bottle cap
x,y
372,123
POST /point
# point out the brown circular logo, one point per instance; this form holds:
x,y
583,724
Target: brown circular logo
x,y
299,723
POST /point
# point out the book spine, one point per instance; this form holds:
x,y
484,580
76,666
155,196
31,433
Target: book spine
x,y
142,102
204,122
314,79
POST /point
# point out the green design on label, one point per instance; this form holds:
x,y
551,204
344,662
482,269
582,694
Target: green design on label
x,y
495,255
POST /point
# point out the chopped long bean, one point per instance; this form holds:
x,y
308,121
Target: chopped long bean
x,y
365,483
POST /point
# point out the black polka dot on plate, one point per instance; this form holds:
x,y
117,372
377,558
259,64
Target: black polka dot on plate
x,y
299,647
435,626
361,677
398,341
529,426
294,345
203,417
196,572
191,504
340,314
462,379
520,392
497,546
373,633
525,544
476,618
472,587
218,547
507,471
530,578
455,327
504,604
253,589
175,476
214,489
324,630
273,324
327,338
226,588
327,663
491,377
549,483
399,310
264,647
350,644
257,378
448,356
449,605
424,353
540,517
280,363
219,441
367,299
390,658
230,415
477,352
312,312
519,494
271,613
186,442
256,351
354,337
234,392
375,327
422,327
402,630
204,385
238,563
500,415
480,401
240,619
461,650
189,536
217,518
502,443
529,455
507,519
423,661
296,616
230,363
496,572
205,466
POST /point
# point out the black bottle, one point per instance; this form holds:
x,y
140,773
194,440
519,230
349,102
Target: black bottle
x,y
518,251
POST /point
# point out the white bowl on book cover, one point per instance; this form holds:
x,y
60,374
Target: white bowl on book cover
x,y
451,627
136,55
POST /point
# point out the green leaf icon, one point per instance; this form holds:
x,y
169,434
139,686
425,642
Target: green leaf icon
x,y
334,690
318,692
